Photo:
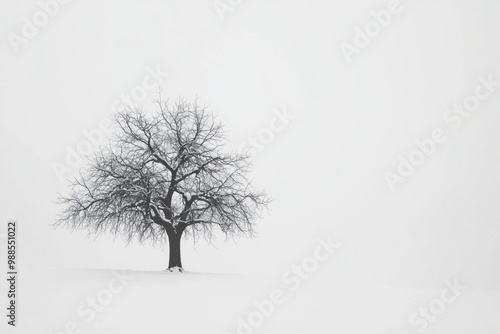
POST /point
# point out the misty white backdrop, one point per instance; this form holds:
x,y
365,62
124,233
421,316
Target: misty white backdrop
x,y
324,170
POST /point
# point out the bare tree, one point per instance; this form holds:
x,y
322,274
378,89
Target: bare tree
x,y
164,175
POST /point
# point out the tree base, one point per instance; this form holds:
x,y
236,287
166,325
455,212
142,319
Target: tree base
x,y
176,270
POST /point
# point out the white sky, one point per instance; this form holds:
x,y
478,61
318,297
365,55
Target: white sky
x,y
325,170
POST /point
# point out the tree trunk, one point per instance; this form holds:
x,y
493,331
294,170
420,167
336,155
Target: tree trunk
x,y
174,240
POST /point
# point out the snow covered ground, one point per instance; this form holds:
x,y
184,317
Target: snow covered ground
x,y
120,302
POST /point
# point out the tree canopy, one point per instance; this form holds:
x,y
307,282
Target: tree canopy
x,y
164,173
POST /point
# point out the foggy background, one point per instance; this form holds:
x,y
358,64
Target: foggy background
x,y
324,170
